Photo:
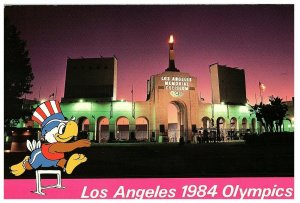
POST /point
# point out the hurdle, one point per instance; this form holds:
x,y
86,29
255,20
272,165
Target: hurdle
x,y
39,186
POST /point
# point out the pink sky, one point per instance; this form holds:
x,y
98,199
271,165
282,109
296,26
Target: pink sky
x,y
259,39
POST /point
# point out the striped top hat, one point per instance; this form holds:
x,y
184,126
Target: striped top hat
x,y
48,115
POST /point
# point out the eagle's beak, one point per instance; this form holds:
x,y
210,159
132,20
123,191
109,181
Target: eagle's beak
x,y
71,130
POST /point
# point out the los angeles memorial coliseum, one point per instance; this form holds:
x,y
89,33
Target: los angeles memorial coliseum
x,y
90,96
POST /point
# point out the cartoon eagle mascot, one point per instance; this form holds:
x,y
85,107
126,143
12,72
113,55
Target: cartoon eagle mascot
x,y
57,131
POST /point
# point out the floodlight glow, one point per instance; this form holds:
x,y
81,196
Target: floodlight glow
x,y
243,109
219,108
122,106
82,106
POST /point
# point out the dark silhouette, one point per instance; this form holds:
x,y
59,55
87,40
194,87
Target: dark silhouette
x,y
132,136
181,141
271,113
111,137
214,136
17,75
280,112
205,136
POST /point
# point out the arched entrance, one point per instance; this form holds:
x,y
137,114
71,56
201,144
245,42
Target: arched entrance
x,y
206,122
83,124
221,125
233,124
244,124
287,125
253,125
177,121
102,129
122,128
232,133
141,129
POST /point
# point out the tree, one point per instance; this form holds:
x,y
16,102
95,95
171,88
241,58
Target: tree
x,y
280,110
270,114
17,74
259,113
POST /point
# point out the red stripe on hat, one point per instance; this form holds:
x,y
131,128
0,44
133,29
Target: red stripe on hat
x,y
58,106
41,112
49,107
36,120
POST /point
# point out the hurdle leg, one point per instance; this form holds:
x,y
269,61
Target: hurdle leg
x,y
59,185
38,183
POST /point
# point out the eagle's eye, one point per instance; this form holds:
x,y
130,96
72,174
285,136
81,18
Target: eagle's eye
x,y
61,128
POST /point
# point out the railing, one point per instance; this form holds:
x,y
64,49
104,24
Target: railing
x,y
173,136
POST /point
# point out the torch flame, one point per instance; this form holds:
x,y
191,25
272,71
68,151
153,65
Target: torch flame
x,y
171,40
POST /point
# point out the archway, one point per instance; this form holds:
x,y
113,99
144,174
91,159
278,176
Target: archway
x,y
102,129
244,125
177,121
221,125
141,129
206,122
287,125
233,124
122,125
83,124
232,133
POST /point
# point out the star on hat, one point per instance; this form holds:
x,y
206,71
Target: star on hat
x,y
48,115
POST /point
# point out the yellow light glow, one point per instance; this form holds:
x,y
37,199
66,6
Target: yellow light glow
x,y
243,109
220,108
82,106
122,106
171,40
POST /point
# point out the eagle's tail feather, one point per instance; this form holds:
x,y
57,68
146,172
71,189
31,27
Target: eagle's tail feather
x,y
31,146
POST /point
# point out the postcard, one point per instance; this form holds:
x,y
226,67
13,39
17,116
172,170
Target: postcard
x,y
149,102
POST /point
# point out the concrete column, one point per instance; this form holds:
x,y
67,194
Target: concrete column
x,y
112,127
92,132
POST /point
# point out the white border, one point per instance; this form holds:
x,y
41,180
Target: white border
x,y
113,2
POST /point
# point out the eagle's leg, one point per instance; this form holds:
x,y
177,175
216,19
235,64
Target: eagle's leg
x,y
62,163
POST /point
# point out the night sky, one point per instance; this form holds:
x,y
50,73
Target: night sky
x,y
259,39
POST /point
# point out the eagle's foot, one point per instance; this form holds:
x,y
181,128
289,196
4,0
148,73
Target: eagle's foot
x,y
19,169
74,161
